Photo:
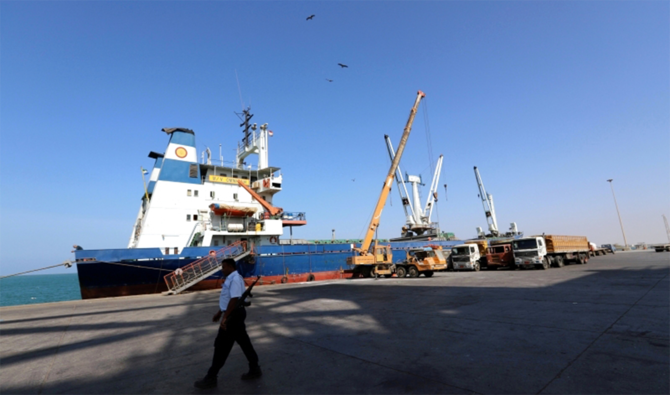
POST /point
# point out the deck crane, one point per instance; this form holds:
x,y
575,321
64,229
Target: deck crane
x,y
380,259
487,202
418,220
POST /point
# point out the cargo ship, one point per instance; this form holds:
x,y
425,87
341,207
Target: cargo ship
x,y
191,210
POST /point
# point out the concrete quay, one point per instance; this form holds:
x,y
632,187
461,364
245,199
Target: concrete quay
x,y
588,329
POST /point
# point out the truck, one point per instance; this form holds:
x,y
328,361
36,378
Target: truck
x,y
542,252
424,261
609,248
597,251
662,247
467,256
499,254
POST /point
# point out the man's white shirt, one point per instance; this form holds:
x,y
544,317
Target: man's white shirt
x,y
233,287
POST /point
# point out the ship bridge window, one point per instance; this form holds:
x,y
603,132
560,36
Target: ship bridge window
x,y
223,174
176,250
195,217
235,196
188,192
188,217
212,194
254,179
193,171
195,193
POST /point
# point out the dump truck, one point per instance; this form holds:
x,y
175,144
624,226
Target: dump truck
x,y
424,261
545,251
499,254
468,256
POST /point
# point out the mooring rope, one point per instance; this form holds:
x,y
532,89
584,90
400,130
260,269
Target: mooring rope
x,y
66,263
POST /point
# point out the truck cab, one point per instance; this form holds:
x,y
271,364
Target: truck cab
x,y
465,257
609,247
499,255
529,251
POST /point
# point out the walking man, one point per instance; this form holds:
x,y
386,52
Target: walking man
x,y
232,328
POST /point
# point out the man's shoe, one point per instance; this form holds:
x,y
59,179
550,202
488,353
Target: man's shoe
x,y
253,373
206,382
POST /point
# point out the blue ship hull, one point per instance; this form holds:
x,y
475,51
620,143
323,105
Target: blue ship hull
x,y
119,272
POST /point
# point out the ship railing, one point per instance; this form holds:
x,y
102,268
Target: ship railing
x,y
293,216
191,274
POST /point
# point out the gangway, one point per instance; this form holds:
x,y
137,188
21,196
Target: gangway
x,y
191,274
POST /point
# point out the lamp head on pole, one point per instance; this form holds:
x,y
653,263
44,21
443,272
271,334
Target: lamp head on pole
x,y
610,180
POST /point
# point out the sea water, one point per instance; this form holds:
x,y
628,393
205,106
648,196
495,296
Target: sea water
x,y
39,288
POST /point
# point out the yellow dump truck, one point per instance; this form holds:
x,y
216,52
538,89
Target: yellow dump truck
x,y
424,261
542,252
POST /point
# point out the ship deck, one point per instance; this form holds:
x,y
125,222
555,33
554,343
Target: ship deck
x,y
597,328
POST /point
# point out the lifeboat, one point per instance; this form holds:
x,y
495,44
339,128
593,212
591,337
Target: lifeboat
x,y
238,210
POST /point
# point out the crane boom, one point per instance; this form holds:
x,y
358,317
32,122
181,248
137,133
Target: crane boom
x,y
386,188
404,197
270,208
487,202
432,192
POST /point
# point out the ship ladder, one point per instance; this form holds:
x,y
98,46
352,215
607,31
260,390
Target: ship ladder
x,y
191,274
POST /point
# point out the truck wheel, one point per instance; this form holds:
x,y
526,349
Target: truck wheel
x,y
558,261
388,275
581,259
545,263
428,273
586,259
400,271
413,272
450,264
368,272
476,267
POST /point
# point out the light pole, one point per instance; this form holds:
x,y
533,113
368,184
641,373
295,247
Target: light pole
x,y
619,214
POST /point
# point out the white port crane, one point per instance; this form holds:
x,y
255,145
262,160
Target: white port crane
x,y
418,219
667,228
487,202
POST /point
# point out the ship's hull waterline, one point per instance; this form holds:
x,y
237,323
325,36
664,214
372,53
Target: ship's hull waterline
x,y
123,272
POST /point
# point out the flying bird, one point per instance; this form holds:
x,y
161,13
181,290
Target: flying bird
x,y
309,18
342,65
329,80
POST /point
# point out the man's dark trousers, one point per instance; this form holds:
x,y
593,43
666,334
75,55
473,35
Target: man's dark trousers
x,y
236,331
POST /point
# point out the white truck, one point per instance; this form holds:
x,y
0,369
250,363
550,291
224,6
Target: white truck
x,y
465,257
541,252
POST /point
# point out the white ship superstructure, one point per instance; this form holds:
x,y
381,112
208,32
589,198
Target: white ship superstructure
x,y
203,204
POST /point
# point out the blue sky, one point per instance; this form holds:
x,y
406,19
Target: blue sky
x,y
548,99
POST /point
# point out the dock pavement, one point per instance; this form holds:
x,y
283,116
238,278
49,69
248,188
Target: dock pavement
x,y
581,329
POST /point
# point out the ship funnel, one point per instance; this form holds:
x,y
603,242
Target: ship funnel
x,y
180,163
